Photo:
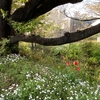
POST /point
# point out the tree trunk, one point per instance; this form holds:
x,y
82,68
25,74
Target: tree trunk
x,y
6,30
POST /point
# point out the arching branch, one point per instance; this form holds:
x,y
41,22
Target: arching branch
x,y
35,8
39,8
67,38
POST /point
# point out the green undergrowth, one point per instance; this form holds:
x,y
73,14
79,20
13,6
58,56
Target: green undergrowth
x,y
51,73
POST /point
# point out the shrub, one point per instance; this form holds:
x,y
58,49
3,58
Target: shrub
x,y
92,53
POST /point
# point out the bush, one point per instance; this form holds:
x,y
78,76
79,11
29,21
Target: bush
x,y
92,53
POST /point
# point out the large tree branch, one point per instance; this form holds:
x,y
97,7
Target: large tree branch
x,y
5,5
5,29
35,8
67,38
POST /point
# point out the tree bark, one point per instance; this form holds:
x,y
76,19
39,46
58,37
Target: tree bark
x,y
6,30
67,38
35,8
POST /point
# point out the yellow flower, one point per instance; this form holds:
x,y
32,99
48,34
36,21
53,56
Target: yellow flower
x,y
58,66
27,0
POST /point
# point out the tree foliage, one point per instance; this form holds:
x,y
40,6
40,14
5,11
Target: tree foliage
x,y
32,9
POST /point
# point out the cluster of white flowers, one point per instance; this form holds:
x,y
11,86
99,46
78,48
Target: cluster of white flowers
x,y
10,58
14,87
53,87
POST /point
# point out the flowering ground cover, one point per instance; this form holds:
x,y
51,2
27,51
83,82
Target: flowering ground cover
x,y
52,77
46,83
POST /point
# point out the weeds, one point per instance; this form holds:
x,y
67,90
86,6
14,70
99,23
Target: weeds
x,y
50,76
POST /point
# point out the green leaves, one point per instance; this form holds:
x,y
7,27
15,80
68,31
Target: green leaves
x,y
30,26
4,48
4,13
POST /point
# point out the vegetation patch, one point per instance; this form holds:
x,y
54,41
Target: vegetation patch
x,y
50,73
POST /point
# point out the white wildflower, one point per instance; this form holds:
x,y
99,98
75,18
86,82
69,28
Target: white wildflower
x,y
2,96
71,98
15,91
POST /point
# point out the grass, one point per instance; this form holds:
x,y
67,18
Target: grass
x,y
49,74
